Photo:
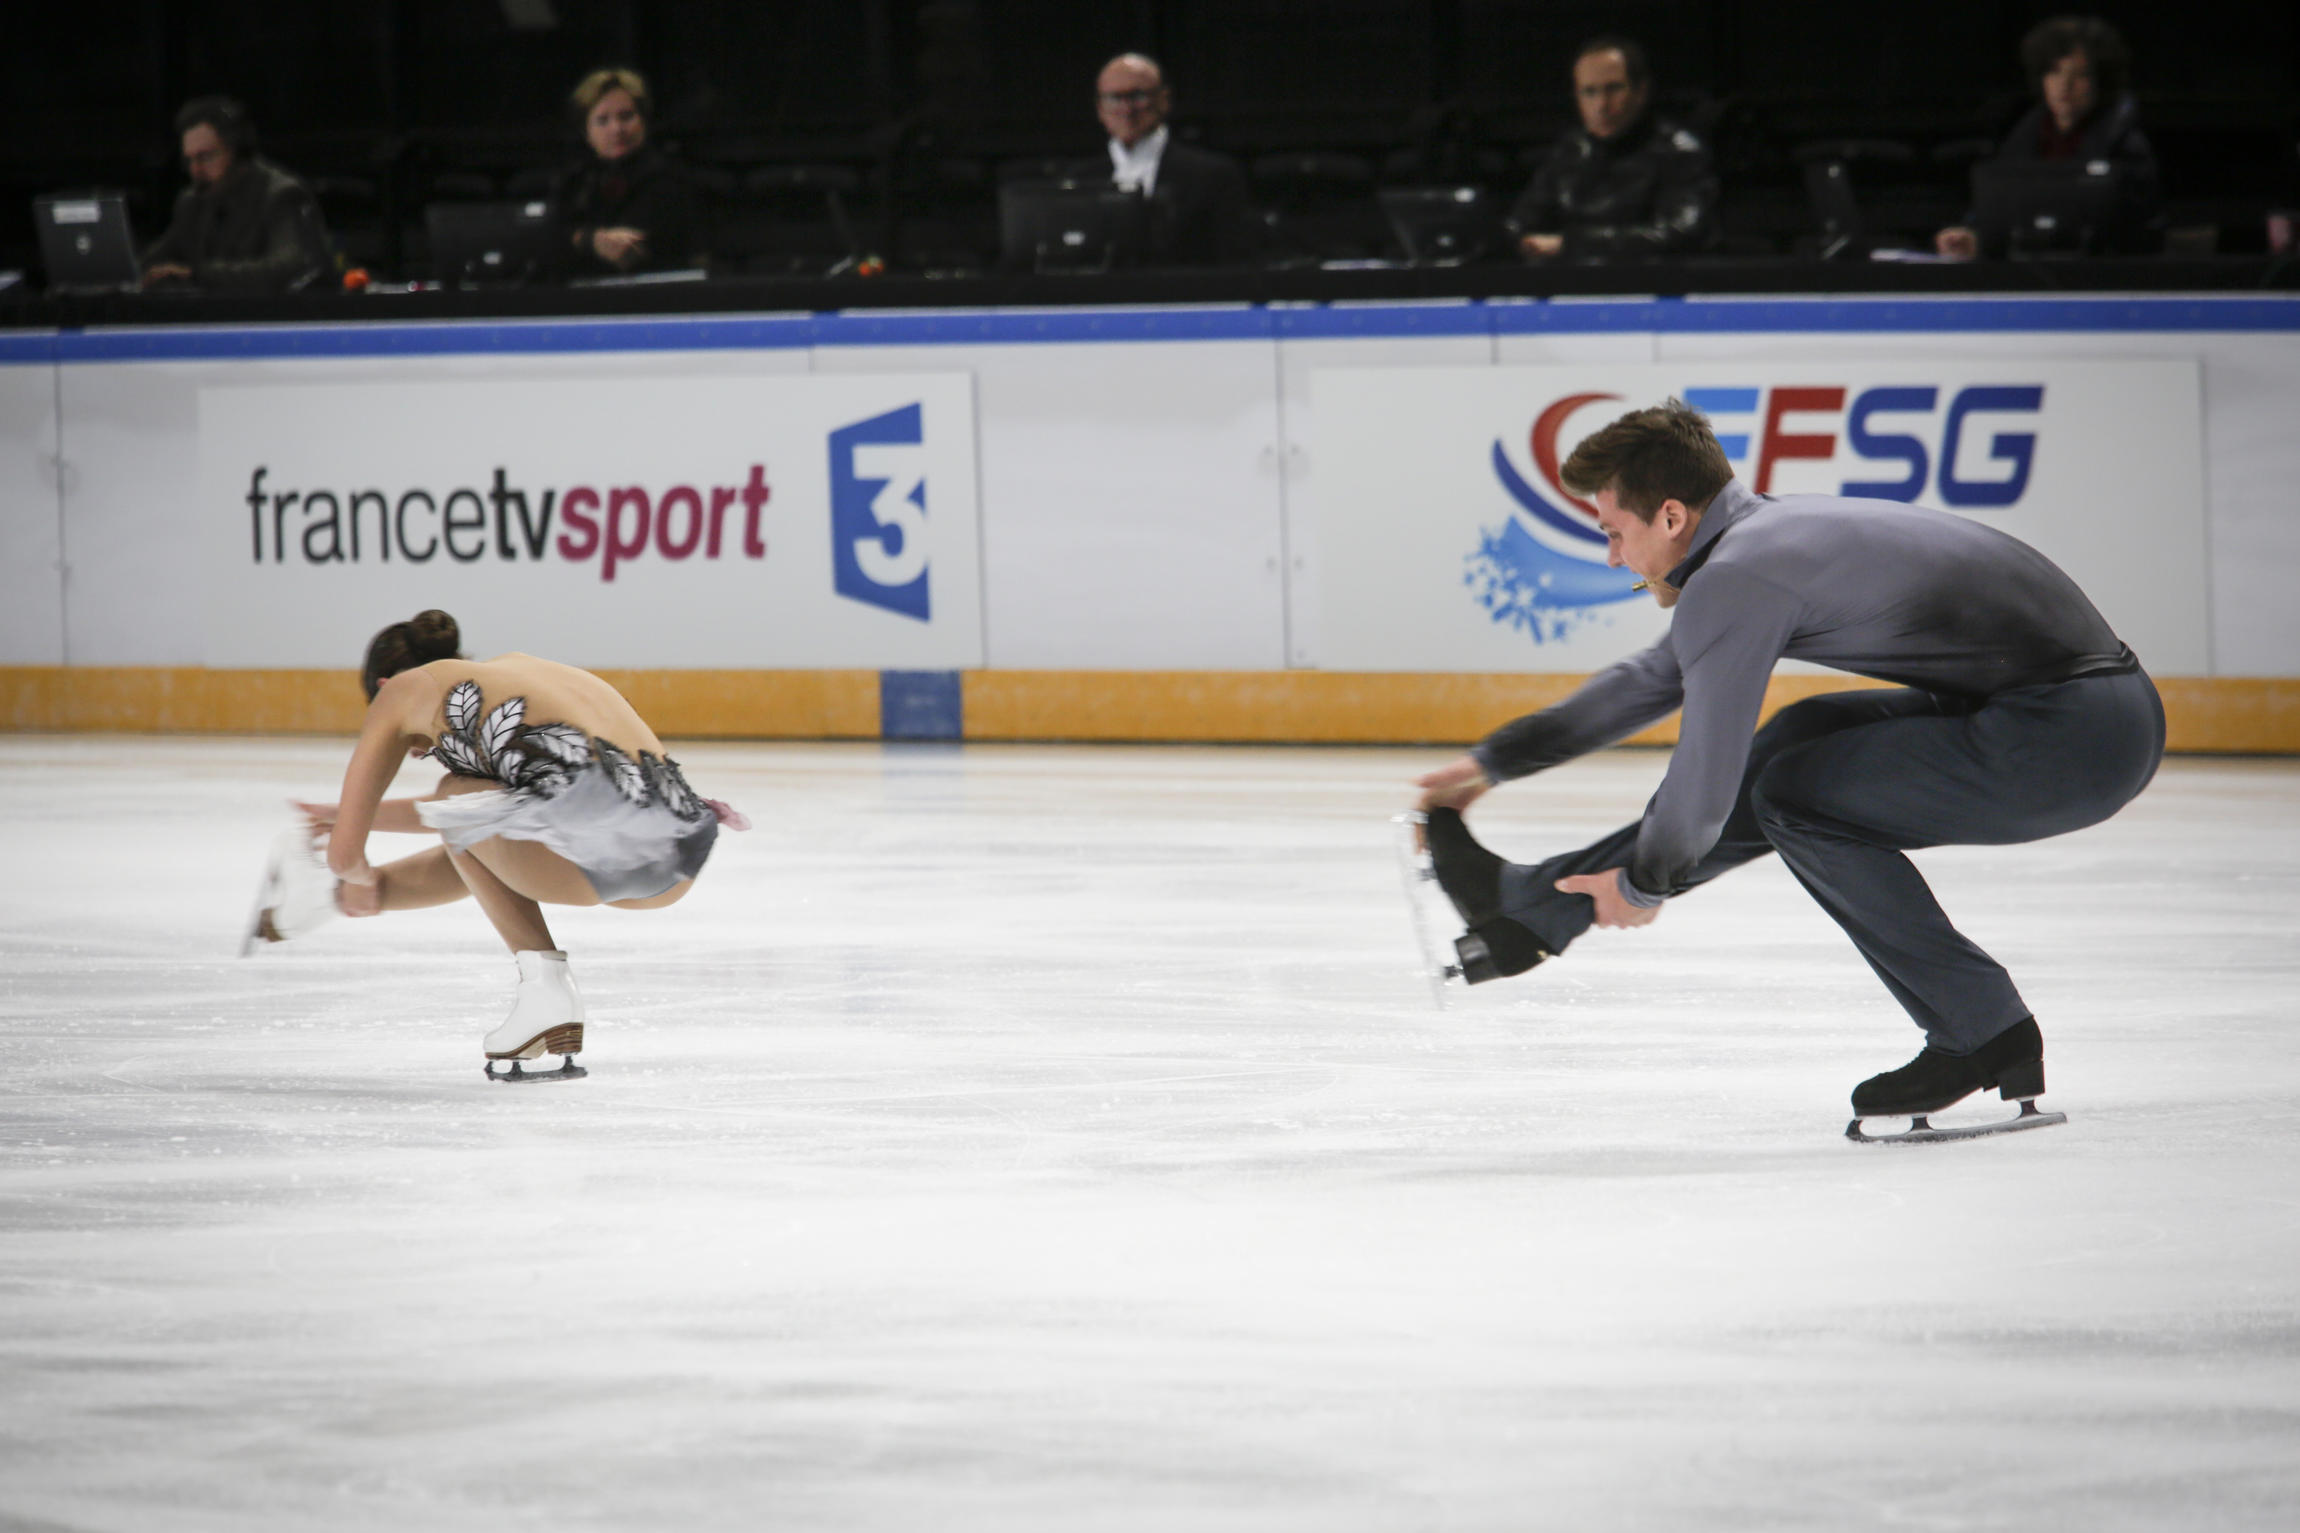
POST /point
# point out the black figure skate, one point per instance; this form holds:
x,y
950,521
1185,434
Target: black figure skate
x,y
1436,855
2012,1063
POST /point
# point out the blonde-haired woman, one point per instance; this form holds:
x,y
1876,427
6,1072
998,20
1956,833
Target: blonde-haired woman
x,y
628,207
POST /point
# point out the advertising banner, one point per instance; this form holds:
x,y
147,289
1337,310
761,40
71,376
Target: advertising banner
x,y
708,523
1448,544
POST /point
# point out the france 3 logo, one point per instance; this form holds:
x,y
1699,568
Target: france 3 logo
x,y
879,543
1544,571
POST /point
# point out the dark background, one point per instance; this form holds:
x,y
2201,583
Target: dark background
x,y
921,101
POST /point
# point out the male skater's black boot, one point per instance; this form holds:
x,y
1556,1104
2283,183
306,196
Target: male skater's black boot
x,y
1494,947
2012,1062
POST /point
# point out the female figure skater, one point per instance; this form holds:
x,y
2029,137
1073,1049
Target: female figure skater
x,y
557,793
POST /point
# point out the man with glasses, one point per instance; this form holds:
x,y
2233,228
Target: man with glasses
x,y
244,225
1201,213
1624,183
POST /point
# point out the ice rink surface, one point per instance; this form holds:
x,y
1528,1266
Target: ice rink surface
x,y
1016,1138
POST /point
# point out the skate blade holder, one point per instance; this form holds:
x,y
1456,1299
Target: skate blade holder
x,y
1420,877
518,1075
1921,1130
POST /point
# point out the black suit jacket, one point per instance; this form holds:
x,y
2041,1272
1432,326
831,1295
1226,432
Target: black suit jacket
x,y
257,231
1201,213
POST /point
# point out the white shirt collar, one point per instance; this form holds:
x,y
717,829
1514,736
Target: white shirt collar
x,y
1138,167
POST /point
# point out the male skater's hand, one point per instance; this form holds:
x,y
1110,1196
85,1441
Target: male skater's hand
x,y
1605,889
1456,785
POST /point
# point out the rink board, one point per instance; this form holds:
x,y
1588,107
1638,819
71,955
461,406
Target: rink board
x,y
2203,713
1162,520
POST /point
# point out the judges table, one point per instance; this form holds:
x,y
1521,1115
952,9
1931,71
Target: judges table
x,y
1314,504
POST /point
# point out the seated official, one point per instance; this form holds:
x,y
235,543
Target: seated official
x,y
629,207
244,225
1624,183
1201,213
2078,66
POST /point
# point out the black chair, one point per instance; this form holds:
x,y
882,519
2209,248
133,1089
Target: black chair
x,y
352,208
791,220
1318,207
935,208
1833,169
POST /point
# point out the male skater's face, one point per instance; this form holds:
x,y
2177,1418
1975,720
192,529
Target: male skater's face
x,y
1651,548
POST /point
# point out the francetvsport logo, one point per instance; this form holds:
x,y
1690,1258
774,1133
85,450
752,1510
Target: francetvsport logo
x,y
1972,448
877,515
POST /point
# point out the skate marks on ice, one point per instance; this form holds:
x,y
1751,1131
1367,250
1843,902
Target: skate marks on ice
x,y
1040,1140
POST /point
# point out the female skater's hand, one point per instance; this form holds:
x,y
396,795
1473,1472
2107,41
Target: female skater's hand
x,y
319,817
1605,889
359,890
1456,785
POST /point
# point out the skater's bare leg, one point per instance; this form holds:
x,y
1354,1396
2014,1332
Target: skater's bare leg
x,y
412,883
517,918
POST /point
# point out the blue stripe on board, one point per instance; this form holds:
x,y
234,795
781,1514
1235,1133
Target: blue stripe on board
x,y
1240,322
1383,320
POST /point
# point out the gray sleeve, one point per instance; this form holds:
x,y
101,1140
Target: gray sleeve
x,y
1619,700
295,249
1728,633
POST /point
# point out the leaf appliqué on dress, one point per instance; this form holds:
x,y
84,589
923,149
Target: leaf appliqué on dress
x,y
671,787
629,778
454,753
463,704
495,737
563,743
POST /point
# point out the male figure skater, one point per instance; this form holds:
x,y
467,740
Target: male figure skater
x,y
2018,716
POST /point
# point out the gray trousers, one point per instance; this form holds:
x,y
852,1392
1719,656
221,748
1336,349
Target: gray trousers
x,y
1843,785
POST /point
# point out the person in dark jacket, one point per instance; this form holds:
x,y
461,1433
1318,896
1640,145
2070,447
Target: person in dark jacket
x,y
2084,116
244,225
1624,183
1201,213
629,207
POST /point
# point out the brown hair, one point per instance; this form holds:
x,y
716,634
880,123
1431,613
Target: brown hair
x,y
599,82
426,637
1650,456
2102,46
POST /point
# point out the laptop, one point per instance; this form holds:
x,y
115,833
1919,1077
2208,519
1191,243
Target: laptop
x,y
493,244
2049,207
85,242
1829,193
1441,225
1070,226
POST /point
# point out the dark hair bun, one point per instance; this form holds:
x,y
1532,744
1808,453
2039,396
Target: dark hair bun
x,y
429,636
433,635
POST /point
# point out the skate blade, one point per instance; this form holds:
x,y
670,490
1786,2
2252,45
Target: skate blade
x,y
1921,1130
1420,876
517,1076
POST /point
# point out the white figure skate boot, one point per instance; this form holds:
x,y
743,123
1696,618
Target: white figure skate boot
x,y
546,1018
298,892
